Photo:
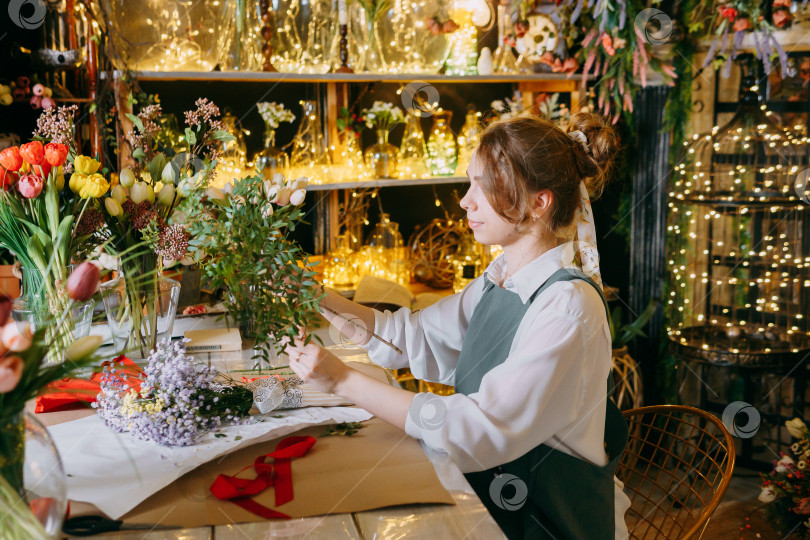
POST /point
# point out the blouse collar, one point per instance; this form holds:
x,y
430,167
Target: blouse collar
x,y
528,279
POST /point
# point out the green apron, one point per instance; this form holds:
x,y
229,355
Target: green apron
x,y
568,498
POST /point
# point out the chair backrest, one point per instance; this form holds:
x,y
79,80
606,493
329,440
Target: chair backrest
x,y
676,468
629,393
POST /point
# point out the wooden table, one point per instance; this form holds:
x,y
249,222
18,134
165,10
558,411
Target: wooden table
x,y
468,519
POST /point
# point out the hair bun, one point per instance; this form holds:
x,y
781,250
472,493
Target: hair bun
x,y
603,145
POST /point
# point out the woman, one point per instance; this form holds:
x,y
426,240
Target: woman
x,y
527,345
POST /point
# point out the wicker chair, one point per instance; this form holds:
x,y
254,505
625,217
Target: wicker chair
x,y
676,468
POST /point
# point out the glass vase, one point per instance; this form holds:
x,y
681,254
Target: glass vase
x,y
366,48
412,150
340,268
309,156
271,160
304,35
170,35
468,140
411,47
353,167
33,486
381,158
388,256
503,59
441,146
140,311
44,301
245,53
232,160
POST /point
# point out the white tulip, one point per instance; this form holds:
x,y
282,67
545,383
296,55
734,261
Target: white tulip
x,y
185,186
169,174
113,207
268,211
297,198
119,193
140,192
300,183
166,195
278,179
227,188
796,428
784,464
283,196
215,193
126,177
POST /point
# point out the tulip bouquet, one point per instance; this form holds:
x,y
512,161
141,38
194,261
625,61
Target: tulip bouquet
x,y
138,221
43,224
246,232
24,372
786,489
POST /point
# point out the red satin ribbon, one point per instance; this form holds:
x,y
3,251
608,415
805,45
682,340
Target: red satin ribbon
x,y
65,393
240,490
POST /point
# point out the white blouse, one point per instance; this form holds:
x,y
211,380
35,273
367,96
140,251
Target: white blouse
x,y
550,389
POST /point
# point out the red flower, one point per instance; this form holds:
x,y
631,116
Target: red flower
x,y
781,17
6,178
55,154
433,26
11,159
728,12
570,65
521,27
743,23
5,309
30,186
83,282
509,40
449,26
33,153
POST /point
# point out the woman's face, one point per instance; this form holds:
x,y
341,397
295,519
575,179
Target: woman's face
x,y
488,227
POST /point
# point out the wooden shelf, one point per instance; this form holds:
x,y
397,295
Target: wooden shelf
x,y
261,76
391,182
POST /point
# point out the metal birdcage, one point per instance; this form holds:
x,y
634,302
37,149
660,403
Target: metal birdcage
x,y
739,243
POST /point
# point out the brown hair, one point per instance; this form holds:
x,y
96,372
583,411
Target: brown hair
x,y
527,154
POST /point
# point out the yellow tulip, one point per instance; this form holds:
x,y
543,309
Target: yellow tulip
x,y
85,165
77,181
60,179
95,186
113,207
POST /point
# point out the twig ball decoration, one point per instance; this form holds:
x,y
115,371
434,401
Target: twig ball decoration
x,y
433,246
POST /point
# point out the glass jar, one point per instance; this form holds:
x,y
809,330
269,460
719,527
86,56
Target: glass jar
x,y
467,262
366,45
309,156
468,140
232,160
304,35
503,60
340,268
381,158
463,57
271,160
441,146
412,149
388,258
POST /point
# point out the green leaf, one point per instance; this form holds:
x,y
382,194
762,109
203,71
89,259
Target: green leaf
x,y
138,153
223,136
191,137
136,121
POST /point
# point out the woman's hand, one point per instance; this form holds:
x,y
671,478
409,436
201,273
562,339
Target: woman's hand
x,y
317,366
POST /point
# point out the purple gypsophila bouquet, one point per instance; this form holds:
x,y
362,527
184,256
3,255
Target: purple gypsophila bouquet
x,y
177,402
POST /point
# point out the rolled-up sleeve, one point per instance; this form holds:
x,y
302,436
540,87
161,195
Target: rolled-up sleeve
x,y
430,339
532,396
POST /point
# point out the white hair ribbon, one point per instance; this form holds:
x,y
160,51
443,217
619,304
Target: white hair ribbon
x,y
585,243
578,136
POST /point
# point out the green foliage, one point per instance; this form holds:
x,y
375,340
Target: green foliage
x,y
623,334
252,257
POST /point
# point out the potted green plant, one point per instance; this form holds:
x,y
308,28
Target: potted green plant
x,y
628,393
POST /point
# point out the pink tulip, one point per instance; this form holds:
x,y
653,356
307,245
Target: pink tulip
x,y
48,103
36,102
11,368
83,282
30,186
16,336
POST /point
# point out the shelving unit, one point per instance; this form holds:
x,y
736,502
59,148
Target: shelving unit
x,y
334,89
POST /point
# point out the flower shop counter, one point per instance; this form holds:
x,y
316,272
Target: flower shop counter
x,y
379,464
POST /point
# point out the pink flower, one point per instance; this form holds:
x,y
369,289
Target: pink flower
x,y
570,65
449,26
16,336
803,508
607,44
5,308
781,3
11,368
433,26
781,17
743,23
30,186
83,282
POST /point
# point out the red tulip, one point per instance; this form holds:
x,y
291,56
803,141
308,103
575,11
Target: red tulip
x,y
728,12
11,368
5,309
83,282
33,152
6,179
11,159
30,186
55,154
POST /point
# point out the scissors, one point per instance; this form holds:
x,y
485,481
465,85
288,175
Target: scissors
x,y
93,524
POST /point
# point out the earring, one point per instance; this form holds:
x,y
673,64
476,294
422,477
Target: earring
x,y
534,218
